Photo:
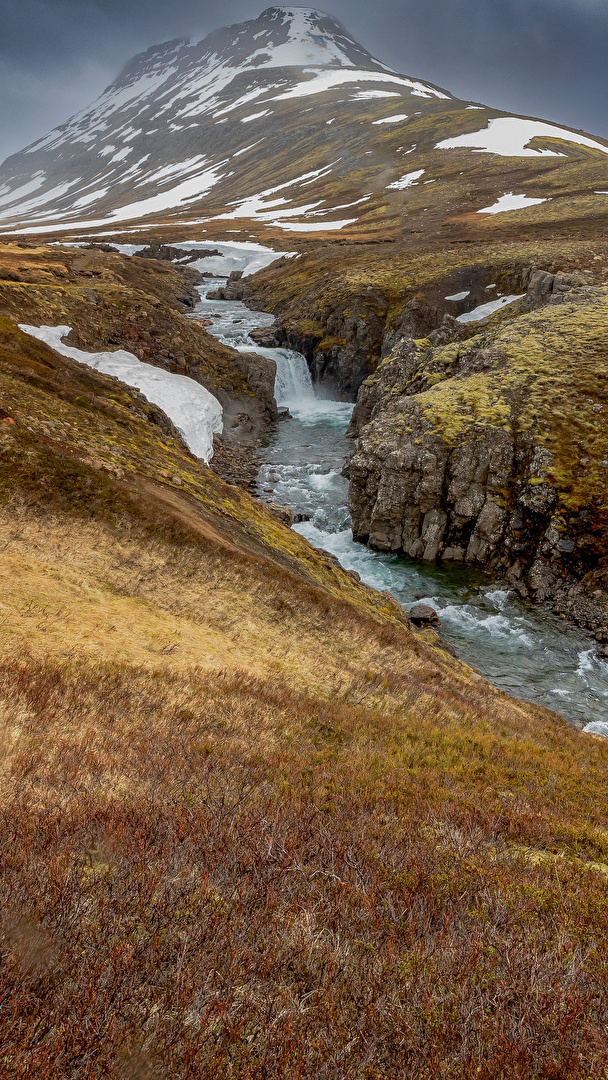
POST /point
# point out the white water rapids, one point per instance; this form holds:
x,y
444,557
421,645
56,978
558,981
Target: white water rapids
x,y
523,649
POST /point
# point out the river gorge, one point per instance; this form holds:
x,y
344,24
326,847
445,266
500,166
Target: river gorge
x,y
522,648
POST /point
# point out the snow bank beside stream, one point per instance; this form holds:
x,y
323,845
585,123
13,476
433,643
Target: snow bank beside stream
x,y
195,412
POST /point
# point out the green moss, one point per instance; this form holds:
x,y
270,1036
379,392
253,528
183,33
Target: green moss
x,y
546,374
307,327
452,406
331,342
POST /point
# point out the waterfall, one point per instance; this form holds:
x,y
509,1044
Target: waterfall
x,y
231,323
293,384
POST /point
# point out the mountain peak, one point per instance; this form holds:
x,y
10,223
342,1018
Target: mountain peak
x,y
291,11
285,35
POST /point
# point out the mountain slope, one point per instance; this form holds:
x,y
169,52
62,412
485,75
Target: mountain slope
x,y
285,124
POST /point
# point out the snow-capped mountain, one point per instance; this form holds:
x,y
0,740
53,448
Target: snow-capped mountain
x,y
285,124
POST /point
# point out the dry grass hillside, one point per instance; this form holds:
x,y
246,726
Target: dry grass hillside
x,y
252,825
116,302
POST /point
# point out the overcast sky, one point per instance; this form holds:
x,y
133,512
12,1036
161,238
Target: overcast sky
x,y
542,58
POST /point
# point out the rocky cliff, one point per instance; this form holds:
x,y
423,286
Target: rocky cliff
x,y
493,450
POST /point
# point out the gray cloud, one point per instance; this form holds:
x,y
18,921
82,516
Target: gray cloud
x,y
537,57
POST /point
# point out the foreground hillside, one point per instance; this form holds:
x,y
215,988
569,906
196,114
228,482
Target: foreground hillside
x,y
252,824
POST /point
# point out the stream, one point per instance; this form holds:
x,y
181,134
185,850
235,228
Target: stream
x,y
521,648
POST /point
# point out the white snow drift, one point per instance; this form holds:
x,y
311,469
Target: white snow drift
x,y
327,80
391,119
195,412
510,136
511,202
409,180
484,310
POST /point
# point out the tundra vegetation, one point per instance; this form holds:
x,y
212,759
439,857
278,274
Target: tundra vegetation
x,y
253,824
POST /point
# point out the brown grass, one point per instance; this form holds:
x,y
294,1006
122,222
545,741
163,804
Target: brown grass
x,y
70,588
311,853
212,875
251,826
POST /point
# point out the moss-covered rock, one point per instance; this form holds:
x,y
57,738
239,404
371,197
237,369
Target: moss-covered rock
x,y
493,450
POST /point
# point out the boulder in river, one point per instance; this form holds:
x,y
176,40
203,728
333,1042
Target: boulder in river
x,y
234,289
264,336
424,615
283,513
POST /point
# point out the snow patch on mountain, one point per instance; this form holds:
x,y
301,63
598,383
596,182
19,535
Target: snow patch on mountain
x,y
197,415
409,180
265,208
369,95
86,200
179,168
322,81
310,226
246,99
194,187
511,202
41,200
121,155
255,116
21,192
343,206
246,149
391,119
485,310
510,136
